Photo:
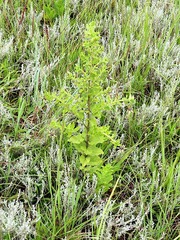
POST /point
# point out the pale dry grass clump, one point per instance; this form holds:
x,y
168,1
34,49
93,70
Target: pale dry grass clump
x,y
16,221
6,45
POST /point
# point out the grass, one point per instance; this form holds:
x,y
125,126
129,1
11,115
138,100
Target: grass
x,y
43,194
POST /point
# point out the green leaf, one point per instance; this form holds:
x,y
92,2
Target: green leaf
x,y
84,161
95,161
94,151
105,177
71,128
55,124
77,139
95,139
91,164
90,151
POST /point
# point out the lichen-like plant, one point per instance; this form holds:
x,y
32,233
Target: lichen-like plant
x,y
88,104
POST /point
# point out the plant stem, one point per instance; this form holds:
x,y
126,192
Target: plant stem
x,y
88,121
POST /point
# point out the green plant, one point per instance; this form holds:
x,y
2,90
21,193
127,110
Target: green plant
x,y
40,42
87,104
53,9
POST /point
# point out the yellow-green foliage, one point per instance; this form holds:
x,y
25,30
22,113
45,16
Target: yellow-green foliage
x,y
87,104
